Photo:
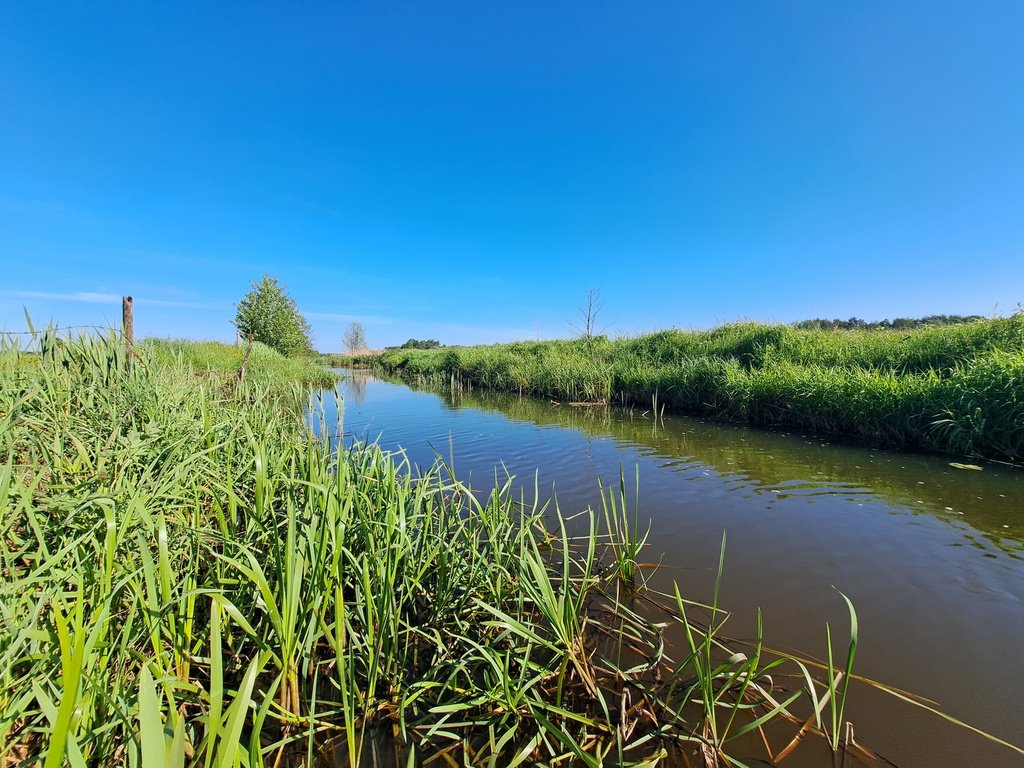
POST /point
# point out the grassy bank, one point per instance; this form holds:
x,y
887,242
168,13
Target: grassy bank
x,y
348,361
223,361
190,577
956,389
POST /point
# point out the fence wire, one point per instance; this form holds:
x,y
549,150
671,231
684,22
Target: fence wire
x,y
107,328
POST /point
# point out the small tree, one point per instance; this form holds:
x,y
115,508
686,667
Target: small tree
x,y
273,317
354,338
588,311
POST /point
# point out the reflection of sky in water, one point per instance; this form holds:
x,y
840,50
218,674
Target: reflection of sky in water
x,y
918,545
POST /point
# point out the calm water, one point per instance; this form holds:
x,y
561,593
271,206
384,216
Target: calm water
x,y
931,555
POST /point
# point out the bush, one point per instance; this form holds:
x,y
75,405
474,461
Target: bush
x,y
273,317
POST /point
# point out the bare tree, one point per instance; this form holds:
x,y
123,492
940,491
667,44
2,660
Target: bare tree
x,y
587,313
354,338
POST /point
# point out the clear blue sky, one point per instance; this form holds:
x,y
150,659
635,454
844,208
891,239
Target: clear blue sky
x,y
465,171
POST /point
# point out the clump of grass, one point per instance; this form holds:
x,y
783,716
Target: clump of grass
x,y
626,538
191,577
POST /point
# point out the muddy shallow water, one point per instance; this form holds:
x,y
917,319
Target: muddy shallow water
x,y
931,555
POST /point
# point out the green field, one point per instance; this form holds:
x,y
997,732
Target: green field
x,y
954,389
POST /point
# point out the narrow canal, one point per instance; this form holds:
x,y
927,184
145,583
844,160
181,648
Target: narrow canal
x,y
931,554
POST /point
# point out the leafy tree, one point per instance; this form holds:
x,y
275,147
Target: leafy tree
x,y
273,317
354,338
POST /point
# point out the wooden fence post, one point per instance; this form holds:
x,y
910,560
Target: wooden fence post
x,y
245,361
128,326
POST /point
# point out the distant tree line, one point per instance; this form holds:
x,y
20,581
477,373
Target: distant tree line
x,y
419,344
899,324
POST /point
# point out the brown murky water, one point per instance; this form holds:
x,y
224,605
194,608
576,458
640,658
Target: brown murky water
x,y
931,555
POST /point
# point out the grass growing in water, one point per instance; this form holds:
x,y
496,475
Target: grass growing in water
x,y
954,389
626,541
191,578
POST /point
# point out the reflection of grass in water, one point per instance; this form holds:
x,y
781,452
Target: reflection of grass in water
x,y
190,578
356,383
778,462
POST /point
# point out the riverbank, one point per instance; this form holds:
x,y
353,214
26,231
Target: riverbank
x,y
192,578
223,361
347,361
955,389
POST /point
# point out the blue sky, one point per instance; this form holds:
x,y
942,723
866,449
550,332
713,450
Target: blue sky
x,y
466,171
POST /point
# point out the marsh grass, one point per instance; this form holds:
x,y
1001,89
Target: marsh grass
x,y
952,389
191,577
626,539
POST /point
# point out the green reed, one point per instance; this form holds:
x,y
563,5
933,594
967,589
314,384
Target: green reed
x,y
626,540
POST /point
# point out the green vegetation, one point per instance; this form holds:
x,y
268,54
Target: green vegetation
x,y
222,362
269,315
957,389
421,344
363,360
192,577
899,324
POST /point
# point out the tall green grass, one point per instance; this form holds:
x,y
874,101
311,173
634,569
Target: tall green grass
x,y
190,577
953,389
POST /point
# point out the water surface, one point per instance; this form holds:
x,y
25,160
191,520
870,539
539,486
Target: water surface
x,y
931,555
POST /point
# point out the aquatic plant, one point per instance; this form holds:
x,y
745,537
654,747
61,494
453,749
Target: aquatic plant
x,y
626,540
